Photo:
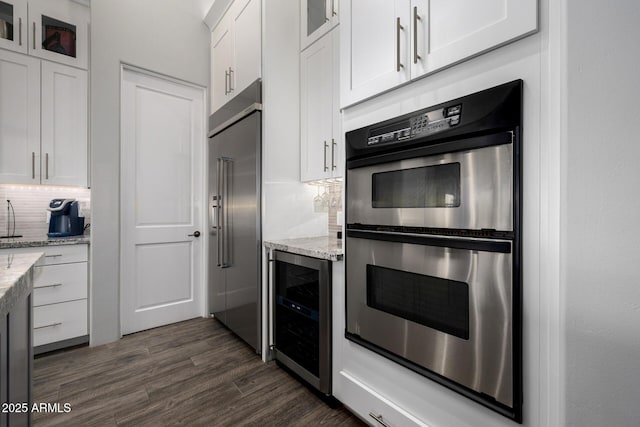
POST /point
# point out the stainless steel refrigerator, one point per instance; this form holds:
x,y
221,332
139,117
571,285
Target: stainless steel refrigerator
x,y
235,242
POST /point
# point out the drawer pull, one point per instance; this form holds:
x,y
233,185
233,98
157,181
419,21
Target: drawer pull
x,y
379,419
48,286
53,256
48,326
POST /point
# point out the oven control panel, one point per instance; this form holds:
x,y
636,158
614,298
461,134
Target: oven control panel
x,y
419,125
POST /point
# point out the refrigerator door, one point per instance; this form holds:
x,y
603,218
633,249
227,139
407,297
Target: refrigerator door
x,y
236,237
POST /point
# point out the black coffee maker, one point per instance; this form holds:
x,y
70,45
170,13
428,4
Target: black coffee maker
x,y
64,220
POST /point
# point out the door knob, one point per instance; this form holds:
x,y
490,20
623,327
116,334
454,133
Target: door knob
x,y
195,234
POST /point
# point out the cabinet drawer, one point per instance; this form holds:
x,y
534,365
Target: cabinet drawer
x,y
63,254
59,283
57,322
372,407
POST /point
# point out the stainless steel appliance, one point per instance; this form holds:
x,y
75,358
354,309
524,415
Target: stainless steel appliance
x,y
433,244
234,215
302,317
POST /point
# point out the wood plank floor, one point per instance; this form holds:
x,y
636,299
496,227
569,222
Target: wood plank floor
x,y
191,373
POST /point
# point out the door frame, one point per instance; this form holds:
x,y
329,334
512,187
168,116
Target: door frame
x,y
204,241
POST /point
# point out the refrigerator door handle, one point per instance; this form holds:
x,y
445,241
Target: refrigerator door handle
x,y
217,207
226,162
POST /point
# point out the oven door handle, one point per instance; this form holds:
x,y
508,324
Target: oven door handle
x,y
473,244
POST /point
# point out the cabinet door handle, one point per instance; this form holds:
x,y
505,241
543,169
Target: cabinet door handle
x,y
333,8
226,80
379,419
416,18
333,154
46,163
48,326
326,11
20,31
326,168
53,256
34,35
33,165
55,285
398,29
230,79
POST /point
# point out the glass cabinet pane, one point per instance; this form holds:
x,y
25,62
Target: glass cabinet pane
x,y
58,36
6,21
316,15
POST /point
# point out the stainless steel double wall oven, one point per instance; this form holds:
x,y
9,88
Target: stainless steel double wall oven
x,y
433,247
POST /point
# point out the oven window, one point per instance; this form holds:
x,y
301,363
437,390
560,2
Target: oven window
x,y
425,187
431,301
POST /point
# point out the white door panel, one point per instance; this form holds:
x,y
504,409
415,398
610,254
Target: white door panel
x,y
162,150
247,58
64,125
19,119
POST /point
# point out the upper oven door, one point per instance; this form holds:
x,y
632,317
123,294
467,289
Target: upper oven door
x,y
468,190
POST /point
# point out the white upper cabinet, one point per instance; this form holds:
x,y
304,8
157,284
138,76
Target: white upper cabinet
x,y
320,139
57,30
64,125
247,44
221,63
317,18
13,25
19,119
43,122
374,47
387,43
235,51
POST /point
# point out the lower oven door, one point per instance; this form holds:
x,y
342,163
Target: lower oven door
x,y
437,305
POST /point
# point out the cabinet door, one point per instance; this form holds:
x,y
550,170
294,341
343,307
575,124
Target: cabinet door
x,y
13,25
337,140
317,17
59,31
375,51
221,60
316,68
448,31
246,46
64,125
19,119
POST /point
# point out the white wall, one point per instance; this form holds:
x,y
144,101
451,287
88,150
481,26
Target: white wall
x,y
168,38
601,214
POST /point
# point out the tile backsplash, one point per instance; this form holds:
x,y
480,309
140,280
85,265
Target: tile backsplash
x,y
30,203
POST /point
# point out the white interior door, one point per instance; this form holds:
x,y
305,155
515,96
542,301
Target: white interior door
x,y
162,142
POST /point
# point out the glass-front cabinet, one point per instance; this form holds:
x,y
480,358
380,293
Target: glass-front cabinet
x,y
57,30
60,32
317,18
13,23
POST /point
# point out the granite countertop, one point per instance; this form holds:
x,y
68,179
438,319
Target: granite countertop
x,y
324,247
16,278
25,242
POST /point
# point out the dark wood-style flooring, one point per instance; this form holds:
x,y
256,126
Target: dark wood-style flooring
x,y
191,373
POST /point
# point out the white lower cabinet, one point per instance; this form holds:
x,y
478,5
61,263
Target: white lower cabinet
x,y
373,407
60,296
59,322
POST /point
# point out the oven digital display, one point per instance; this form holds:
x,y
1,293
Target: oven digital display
x,y
435,186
